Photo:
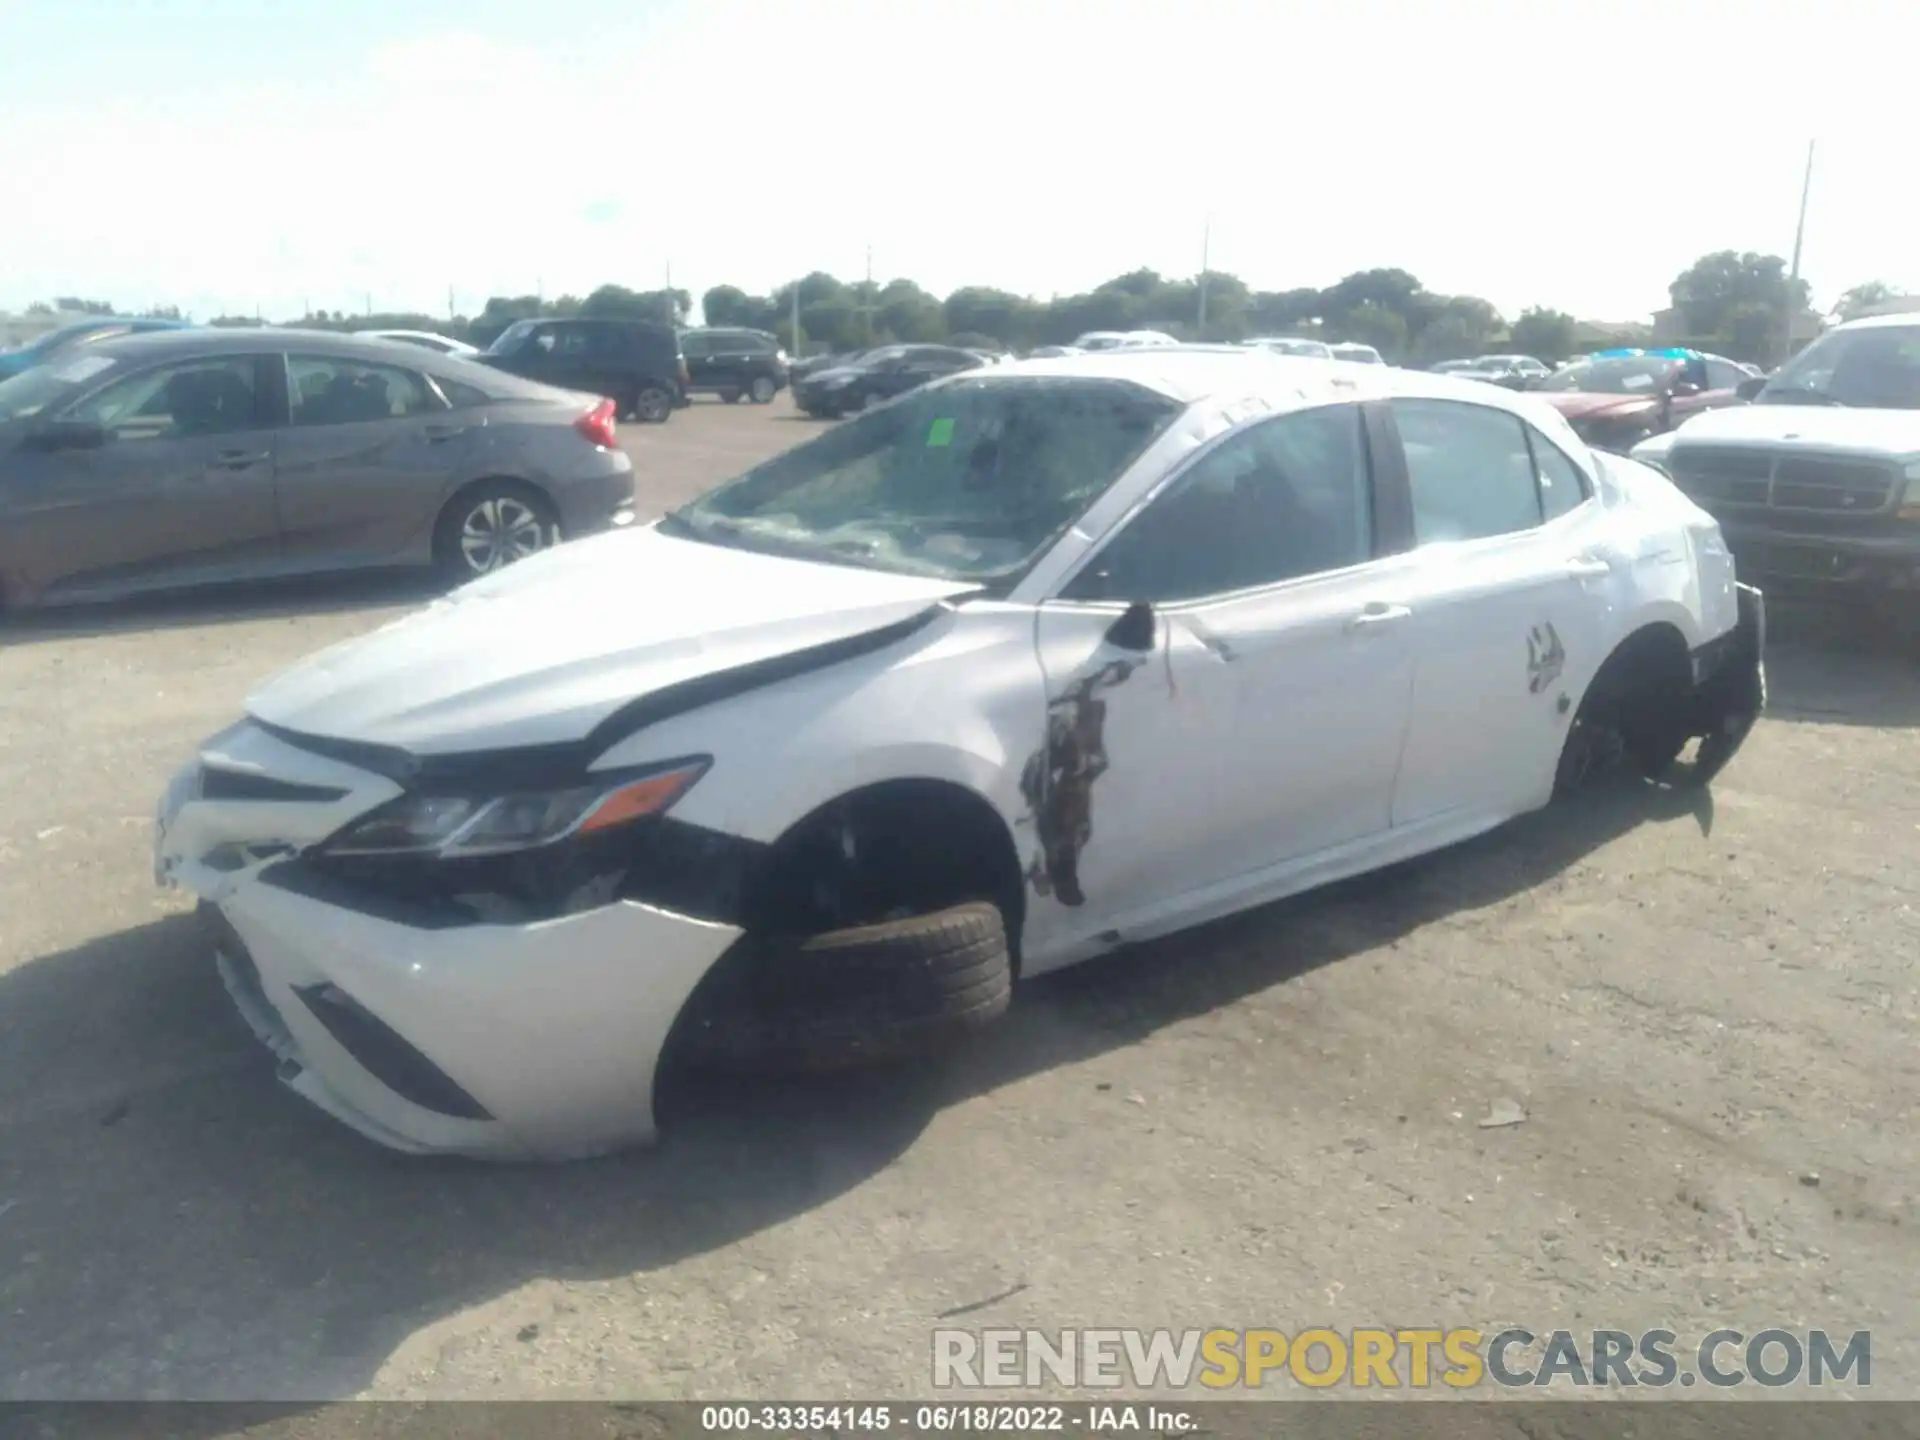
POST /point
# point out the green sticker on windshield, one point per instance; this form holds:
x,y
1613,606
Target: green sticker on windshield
x,y
940,433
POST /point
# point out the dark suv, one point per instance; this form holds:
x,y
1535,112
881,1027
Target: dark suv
x,y
731,363
635,363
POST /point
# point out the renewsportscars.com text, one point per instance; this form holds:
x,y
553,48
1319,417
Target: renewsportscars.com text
x,y
1398,1358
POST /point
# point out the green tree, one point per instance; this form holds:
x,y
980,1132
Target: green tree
x,y
1373,323
1865,298
617,302
39,307
1544,334
1004,316
84,307
910,314
1709,292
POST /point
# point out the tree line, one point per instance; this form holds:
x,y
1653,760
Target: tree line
x,y
1729,302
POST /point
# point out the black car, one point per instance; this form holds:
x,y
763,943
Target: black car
x,y
635,363
877,376
731,363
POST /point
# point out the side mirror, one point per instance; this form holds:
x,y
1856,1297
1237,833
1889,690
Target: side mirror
x,y
58,435
1683,388
1136,629
1751,387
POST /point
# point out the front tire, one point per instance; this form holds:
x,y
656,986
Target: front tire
x,y
763,389
491,526
866,995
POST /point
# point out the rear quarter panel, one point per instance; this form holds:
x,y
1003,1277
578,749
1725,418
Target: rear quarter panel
x,y
1674,566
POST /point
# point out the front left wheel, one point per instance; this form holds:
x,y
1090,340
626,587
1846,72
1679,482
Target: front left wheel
x,y
876,994
489,527
763,390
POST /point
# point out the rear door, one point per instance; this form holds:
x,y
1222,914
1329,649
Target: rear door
x,y
1507,590
705,362
366,456
182,492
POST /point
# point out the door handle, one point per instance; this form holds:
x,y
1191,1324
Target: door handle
x,y
1377,615
1588,567
240,459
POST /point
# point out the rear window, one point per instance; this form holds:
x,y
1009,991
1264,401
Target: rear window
x,y
513,337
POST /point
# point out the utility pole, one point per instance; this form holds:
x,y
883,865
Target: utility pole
x,y
1792,299
369,304
796,319
1206,245
453,311
673,310
867,301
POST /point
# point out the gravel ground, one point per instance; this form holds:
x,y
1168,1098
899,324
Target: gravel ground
x,y
1703,1004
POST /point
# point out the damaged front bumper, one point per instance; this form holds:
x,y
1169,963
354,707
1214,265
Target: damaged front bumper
x,y
1730,686
505,1041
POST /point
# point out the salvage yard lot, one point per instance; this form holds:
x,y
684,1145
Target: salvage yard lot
x,y
1705,1006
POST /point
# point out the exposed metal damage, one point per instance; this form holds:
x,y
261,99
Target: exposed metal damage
x,y
1057,781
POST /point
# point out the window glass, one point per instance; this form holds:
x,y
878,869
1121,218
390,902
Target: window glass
x,y
697,347
1562,486
461,395
1469,469
1284,498
1724,375
193,397
322,391
972,480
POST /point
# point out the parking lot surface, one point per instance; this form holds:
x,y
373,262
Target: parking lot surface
x,y
1701,1006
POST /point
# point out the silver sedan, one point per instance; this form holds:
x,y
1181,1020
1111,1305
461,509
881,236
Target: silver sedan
x,y
200,456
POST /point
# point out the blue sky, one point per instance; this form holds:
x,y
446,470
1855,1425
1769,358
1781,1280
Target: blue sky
x,y
243,154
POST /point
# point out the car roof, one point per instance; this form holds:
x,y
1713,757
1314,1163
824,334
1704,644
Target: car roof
x,y
247,339
1191,373
1882,322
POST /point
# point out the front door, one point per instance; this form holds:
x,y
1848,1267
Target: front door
x,y
1505,593
366,457
1228,679
182,492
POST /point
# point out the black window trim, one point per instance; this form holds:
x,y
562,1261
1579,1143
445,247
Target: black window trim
x,y
282,384
1386,519
1535,439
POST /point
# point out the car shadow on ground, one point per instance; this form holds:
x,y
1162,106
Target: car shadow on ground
x,y
182,1227
222,605
1832,663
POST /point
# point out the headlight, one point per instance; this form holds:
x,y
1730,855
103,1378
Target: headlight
x,y
456,827
1910,500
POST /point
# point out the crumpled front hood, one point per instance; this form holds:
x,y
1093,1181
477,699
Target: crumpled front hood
x,y
1586,405
1827,427
542,651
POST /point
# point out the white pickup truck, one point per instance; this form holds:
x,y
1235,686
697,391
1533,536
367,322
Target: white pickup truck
x,y
1818,480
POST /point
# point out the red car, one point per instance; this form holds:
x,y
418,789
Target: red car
x,y
1614,400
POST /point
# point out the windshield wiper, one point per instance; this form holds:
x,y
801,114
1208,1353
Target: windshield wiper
x,y
1816,397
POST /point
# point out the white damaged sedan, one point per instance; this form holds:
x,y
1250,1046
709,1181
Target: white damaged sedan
x,y
1024,666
